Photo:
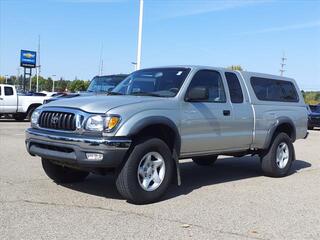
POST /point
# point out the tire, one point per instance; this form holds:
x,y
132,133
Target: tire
x,y
61,174
129,180
19,116
269,163
205,160
31,110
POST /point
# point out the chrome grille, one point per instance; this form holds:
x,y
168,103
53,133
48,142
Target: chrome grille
x,y
57,120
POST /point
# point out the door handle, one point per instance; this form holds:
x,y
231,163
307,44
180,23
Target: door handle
x,y
1,98
226,112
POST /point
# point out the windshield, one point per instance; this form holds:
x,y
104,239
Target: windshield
x,y
315,109
104,83
157,82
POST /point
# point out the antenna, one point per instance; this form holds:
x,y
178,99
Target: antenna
x,y
282,64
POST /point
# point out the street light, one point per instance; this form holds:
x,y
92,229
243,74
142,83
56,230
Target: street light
x,y
53,82
139,36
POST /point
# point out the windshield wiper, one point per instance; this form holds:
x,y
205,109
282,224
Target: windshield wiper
x,y
115,93
146,94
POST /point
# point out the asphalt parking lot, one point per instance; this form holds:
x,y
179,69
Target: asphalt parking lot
x,y
230,200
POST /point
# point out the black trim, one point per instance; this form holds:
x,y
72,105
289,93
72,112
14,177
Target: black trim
x,y
271,131
148,121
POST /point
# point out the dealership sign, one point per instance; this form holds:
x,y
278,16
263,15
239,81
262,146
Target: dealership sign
x,y
28,59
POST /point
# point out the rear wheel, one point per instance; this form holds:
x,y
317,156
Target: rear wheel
x,y
147,173
61,174
277,161
205,160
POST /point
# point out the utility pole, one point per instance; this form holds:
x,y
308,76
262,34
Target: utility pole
x,y
138,65
101,61
18,77
282,64
30,82
38,65
53,76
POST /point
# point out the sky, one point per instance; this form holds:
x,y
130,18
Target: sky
x,y
252,33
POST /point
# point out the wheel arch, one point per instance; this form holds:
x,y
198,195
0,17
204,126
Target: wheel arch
x,y
158,124
163,128
32,106
283,124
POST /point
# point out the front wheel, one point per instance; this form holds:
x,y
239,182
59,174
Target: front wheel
x,y
31,110
61,174
147,173
277,161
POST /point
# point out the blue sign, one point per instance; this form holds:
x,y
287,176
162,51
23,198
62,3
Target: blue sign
x,y
28,59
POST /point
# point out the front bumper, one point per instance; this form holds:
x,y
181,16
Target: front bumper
x,y
314,122
71,149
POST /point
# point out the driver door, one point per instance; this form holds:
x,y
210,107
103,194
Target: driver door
x,y
206,124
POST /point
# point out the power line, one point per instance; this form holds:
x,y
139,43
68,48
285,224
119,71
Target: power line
x,y
282,64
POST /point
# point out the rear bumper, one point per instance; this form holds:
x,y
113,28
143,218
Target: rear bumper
x,y
71,150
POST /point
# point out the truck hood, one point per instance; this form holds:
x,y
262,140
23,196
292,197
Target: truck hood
x,y
100,104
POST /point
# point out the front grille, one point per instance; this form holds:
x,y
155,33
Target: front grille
x,y
53,148
57,120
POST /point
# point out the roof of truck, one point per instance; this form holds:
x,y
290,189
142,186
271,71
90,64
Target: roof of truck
x,y
247,73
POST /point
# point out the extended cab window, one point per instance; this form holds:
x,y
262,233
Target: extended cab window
x,y
212,81
235,90
8,91
274,90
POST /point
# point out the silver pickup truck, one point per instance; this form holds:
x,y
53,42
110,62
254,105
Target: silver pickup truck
x,y
157,116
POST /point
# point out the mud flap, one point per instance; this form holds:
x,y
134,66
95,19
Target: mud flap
x,y
176,160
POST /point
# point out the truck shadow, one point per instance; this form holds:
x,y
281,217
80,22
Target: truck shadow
x,y
224,170
12,120
193,177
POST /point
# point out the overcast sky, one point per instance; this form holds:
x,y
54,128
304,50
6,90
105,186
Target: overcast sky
x,y
253,34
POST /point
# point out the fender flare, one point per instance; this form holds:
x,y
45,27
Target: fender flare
x,y
272,130
153,120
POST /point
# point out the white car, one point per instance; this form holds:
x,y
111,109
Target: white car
x,y
21,107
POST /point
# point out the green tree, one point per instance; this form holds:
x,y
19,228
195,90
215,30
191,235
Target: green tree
x,y
311,97
2,80
78,85
235,67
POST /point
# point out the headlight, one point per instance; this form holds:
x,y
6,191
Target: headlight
x,y
34,118
95,123
102,123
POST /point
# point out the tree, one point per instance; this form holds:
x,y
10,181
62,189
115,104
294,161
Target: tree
x,y
2,80
78,85
311,97
235,67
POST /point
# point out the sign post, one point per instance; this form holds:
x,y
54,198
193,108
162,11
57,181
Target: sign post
x,y
28,60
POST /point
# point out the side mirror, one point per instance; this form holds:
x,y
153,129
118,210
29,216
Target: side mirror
x,y
197,94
